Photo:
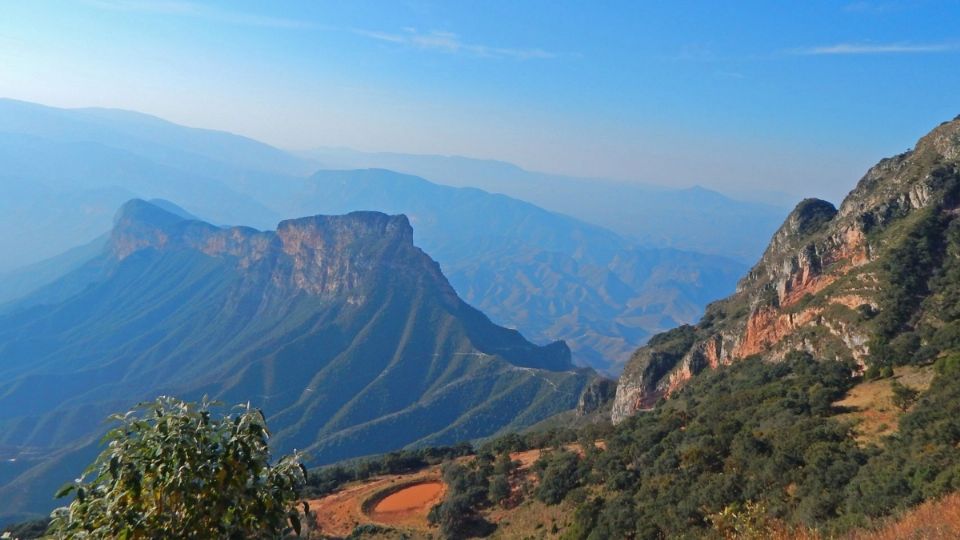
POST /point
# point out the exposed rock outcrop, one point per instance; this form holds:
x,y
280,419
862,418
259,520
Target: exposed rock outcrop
x,y
816,287
596,395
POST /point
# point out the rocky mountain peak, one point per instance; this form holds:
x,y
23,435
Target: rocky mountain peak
x,y
909,181
809,216
343,332
820,281
139,224
943,142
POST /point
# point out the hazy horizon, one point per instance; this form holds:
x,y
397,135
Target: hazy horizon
x,y
773,198
645,92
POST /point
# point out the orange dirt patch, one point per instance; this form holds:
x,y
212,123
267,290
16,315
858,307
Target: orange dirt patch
x,y
409,506
399,501
339,513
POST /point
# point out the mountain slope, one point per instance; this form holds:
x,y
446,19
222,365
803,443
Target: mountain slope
x,y
551,276
348,337
215,154
874,281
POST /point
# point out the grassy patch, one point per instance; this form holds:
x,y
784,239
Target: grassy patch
x,y
870,403
532,519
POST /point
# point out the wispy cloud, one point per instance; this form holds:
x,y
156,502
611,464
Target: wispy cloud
x,y
866,6
449,42
198,11
878,48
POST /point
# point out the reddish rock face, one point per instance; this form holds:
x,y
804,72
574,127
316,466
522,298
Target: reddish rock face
x,y
768,326
812,285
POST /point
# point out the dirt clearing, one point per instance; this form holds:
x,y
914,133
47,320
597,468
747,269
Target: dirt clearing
x,y
408,506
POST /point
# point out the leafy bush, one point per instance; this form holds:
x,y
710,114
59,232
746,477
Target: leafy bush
x,y
175,470
903,396
559,473
467,486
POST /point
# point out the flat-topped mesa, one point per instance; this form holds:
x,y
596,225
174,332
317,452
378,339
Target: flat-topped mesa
x,y
818,283
324,233
321,255
335,253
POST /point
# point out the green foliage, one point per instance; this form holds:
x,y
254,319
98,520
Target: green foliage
x,y
742,521
175,470
503,468
367,530
467,492
752,443
948,365
921,461
584,519
499,489
908,268
504,465
753,432
559,472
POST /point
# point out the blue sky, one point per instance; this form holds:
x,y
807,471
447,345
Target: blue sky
x,y
745,97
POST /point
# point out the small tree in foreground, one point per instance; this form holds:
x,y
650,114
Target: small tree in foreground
x,y
903,396
174,470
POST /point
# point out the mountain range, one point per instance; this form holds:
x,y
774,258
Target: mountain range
x,y
346,335
692,219
546,274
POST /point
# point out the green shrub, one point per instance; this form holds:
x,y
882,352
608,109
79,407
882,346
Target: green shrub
x,y
559,473
176,470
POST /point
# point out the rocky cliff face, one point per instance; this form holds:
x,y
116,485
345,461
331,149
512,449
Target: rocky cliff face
x,y
317,255
822,284
597,394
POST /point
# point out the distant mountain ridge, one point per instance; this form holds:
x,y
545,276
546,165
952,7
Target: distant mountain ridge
x,y
218,154
347,335
691,219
